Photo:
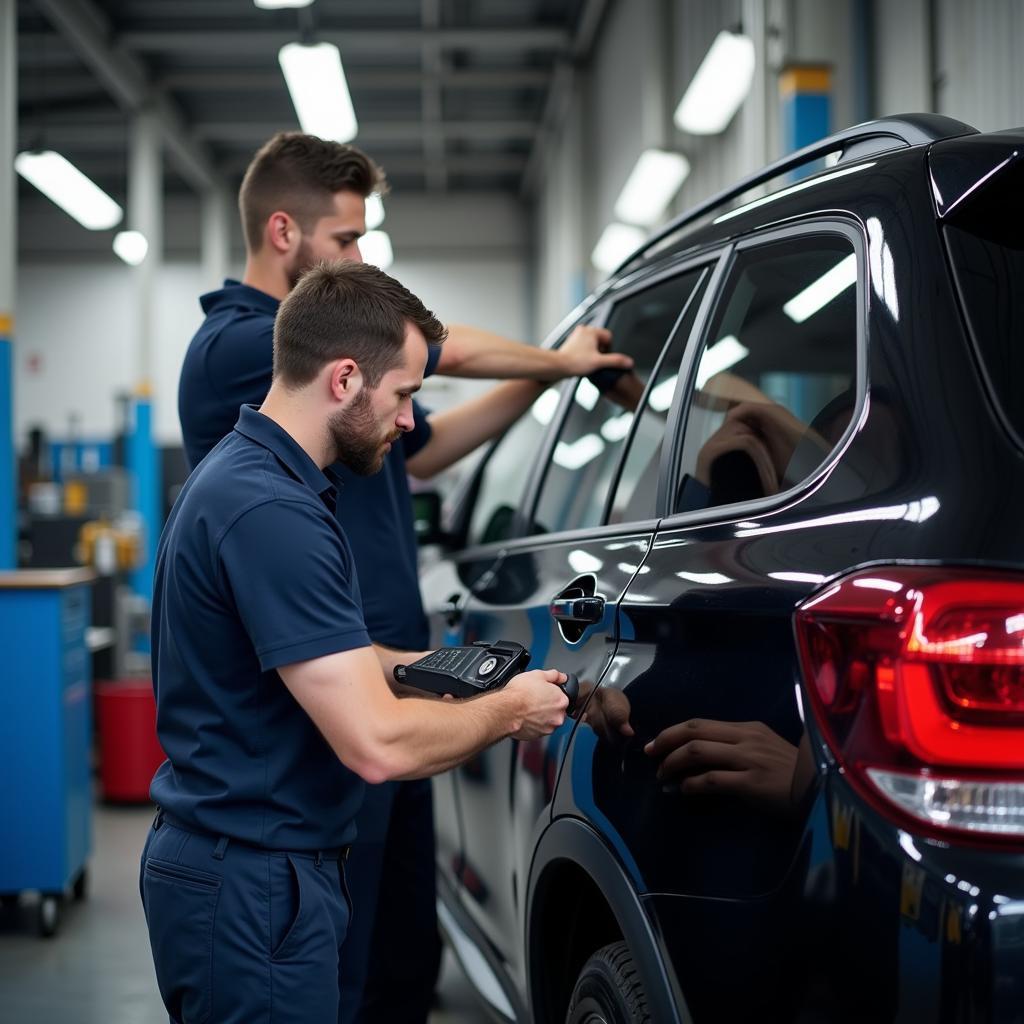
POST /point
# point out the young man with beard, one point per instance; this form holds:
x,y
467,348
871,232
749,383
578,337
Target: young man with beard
x,y
272,705
302,200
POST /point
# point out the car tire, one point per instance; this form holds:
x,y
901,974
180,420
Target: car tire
x,y
608,990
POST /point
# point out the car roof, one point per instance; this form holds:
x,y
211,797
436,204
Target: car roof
x,y
735,210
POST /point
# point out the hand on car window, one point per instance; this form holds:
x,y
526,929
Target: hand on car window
x,y
589,349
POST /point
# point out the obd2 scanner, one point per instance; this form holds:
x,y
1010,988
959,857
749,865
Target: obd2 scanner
x,y
470,671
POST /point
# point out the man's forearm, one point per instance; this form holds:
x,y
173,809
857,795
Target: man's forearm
x,y
438,735
472,352
457,432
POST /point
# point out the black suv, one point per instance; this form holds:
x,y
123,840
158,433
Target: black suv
x,y
786,560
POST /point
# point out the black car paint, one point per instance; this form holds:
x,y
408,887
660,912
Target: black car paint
x,y
732,911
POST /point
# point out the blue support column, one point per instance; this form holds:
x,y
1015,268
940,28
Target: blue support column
x,y
806,96
143,463
8,483
8,261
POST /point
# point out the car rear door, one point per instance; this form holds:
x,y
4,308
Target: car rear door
x,y
556,589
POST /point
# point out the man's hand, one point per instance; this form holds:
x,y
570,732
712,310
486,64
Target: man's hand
x,y
744,759
588,349
543,704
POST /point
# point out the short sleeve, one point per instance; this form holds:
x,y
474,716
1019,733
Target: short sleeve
x,y
417,438
292,579
433,358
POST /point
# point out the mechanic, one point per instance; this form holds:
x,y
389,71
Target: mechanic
x,y
303,199
272,704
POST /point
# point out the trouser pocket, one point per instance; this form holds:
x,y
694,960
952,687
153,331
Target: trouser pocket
x,y
181,904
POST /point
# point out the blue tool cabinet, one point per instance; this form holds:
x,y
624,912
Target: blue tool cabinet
x,y
45,736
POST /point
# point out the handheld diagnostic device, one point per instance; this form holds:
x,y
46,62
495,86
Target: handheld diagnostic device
x,y
470,671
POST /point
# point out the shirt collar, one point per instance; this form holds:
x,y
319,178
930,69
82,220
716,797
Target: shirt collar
x,y
235,295
264,431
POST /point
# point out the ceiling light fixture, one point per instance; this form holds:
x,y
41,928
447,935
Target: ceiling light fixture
x,y
375,247
64,184
316,82
276,5
719,87
654,180
617,241
131,246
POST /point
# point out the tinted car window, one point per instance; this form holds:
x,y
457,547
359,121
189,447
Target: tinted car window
x,y
637,489
986,248
590,443
504,475
775,382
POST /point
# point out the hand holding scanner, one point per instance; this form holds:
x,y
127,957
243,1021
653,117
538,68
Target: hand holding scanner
x,y
470,671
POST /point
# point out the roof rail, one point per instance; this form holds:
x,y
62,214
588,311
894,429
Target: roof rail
x,y
903,129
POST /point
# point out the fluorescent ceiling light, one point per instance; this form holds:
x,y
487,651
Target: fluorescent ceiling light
x,y
617,241
719,87
661,394
719,357
374,211
316,81
820,293
579,453
544,408
276,5
375,247
63,183
617,427
131,246
652,183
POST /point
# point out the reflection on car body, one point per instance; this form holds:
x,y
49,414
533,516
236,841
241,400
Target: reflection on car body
x,y
749,818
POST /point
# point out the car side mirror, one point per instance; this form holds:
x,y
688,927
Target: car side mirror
x,y
426,518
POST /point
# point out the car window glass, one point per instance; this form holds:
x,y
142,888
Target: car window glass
x,y
775,382
986,250
637,489
590,443
505,472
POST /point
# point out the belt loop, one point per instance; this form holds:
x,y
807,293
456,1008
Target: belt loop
x,y
220,848
159,819
318,859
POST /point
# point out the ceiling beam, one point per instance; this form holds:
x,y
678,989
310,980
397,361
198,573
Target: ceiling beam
x,y
248,41
371,132
87,30
229,80
101,133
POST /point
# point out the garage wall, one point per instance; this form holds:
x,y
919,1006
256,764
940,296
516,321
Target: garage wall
x,y
75,343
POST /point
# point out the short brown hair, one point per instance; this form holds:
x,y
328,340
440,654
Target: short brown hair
x,y
300,174
340,310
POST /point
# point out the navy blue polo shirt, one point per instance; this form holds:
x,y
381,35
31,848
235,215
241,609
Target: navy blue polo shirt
x,y
229,363
253,572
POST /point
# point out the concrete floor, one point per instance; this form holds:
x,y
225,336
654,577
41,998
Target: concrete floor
x,y
97,970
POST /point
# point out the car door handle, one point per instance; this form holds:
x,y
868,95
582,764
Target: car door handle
x,y
577,609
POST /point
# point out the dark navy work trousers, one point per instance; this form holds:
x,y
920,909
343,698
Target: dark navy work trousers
x,y
393,951
242,935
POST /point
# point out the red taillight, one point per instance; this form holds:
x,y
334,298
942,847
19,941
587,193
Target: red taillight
x,y
917,679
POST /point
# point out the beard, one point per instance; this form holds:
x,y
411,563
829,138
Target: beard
x,y
303,261
356,437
